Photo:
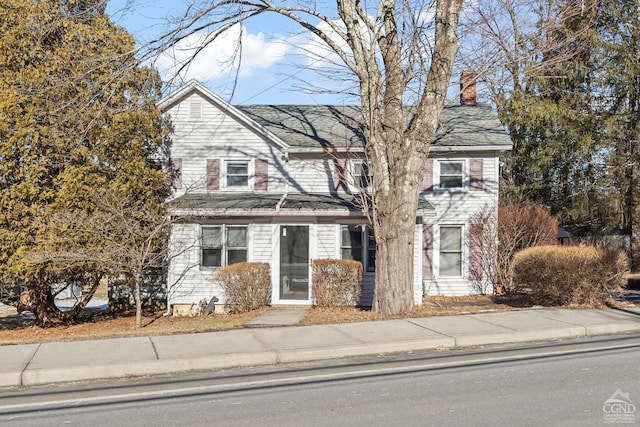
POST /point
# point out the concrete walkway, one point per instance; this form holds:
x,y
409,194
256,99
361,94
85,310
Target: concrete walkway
x,y
32,364
279,316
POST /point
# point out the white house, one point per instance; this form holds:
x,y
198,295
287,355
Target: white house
x,y
279,184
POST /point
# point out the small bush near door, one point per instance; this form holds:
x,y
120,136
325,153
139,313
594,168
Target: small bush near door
x,y
336,283
566,275
247,285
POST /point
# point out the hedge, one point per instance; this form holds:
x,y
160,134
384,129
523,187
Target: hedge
x,y
567,275
336,283
246,285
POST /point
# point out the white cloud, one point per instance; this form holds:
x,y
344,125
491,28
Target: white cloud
x,y
219,57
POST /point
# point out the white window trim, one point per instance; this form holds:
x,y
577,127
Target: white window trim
x,y
465,174
224,228
250,174
463,252
353,178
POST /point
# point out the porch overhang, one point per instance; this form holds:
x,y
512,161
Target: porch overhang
x,y
251,204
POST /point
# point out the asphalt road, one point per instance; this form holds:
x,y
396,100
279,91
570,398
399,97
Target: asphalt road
x,y
565,384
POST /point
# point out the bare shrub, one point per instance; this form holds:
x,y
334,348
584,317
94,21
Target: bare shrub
x,y
495,237
336,283
483,257
521,226
247,285
567,275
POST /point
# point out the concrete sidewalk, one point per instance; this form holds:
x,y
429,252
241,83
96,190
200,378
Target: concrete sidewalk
x,y
33,364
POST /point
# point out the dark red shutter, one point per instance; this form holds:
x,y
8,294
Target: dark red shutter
x,y
261,177
213,174
427,251
476,174
340,174
427,180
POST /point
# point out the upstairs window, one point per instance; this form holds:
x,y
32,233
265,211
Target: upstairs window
x,y
237,174
223,245
362,175
358,243
451,174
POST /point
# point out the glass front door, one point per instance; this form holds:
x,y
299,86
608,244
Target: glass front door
x,y
294,262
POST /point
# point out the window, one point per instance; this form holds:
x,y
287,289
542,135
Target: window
x,y
358,243
451,251
361,174
451,174
223,245
237,174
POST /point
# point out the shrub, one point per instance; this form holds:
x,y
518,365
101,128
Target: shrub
x,y
247,285
336,283
563,275
494,243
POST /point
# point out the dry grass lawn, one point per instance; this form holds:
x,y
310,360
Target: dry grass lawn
x,y
16,329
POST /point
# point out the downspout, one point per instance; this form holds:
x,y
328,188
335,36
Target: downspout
x,y
168,312
285,157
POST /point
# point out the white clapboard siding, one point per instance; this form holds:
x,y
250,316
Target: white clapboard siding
x,y
216,135
310,175
188,283
417,265
456,208
459,205
262,242
327,241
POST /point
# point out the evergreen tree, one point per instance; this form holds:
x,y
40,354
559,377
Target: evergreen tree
x,y
618,60
571,107
78,121
552,124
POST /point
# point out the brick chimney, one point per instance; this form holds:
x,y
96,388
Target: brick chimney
x,y
468,87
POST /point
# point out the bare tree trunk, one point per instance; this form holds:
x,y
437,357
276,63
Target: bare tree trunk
x,y
76,309
394,258
138,285
43,306
399,157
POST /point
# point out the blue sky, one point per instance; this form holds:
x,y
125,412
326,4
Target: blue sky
x,y
274,55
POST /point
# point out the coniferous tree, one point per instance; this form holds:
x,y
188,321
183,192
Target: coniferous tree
x,y
618,93
78,122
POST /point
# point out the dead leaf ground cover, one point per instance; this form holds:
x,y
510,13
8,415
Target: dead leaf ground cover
x,y
17,329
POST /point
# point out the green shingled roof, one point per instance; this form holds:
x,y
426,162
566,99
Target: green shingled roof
x,y
249,204
326,126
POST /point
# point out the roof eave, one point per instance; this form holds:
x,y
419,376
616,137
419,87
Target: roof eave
x,y
459,148
262,212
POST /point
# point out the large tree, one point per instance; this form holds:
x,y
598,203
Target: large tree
x,y
541,75
401,53
564,76
618,93
78,121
